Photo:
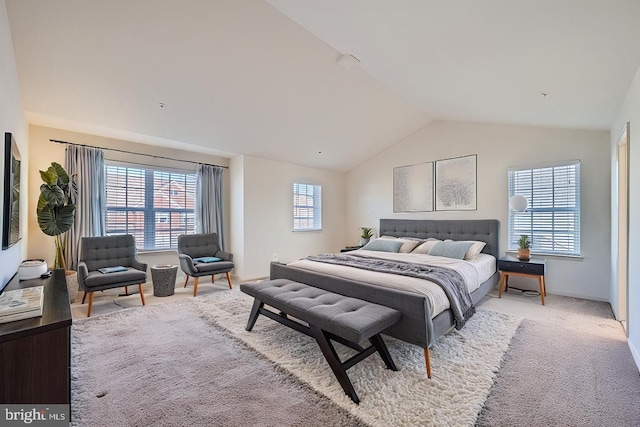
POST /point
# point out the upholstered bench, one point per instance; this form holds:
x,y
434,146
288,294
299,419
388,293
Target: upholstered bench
x,y
329,316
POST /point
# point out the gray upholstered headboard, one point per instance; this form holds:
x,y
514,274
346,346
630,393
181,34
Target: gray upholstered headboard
x,y
485,230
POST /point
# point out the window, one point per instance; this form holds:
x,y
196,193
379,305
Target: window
x,y
552,219
307,207
155,206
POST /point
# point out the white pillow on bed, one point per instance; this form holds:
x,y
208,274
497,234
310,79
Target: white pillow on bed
x,y
426,246
474,250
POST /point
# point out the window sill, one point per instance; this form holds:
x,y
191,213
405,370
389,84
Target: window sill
x,y
552,256
156,251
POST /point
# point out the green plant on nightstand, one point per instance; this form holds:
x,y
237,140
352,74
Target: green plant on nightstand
x,y
524,248
365,235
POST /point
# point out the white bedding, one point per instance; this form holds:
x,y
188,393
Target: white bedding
x,y
474,272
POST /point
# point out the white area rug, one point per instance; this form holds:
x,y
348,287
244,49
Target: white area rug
x,y
464,365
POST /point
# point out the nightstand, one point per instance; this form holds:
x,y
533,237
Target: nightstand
x,y
512,266
350,248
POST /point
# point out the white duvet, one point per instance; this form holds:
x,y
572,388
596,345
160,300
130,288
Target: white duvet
x,y
474,272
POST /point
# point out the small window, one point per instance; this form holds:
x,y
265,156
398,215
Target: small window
x,y
552,218
307,207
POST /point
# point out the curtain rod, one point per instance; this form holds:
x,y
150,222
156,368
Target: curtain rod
x,y
137,154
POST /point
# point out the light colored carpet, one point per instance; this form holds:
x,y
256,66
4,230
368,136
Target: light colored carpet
x,y
175,364
568,365
464,364
164,365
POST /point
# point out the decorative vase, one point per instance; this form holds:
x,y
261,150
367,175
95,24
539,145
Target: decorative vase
x,y
72,284
524,254
364,241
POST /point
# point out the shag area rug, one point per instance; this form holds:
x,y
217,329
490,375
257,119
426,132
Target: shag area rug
x,y
145,358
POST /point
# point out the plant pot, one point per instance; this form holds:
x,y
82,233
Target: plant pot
x,y
524,254
364,241
72,284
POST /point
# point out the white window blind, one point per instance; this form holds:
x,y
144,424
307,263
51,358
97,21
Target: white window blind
x,y
552,220
153,205
307,207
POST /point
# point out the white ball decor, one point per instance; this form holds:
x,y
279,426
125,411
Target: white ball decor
x,y
518,203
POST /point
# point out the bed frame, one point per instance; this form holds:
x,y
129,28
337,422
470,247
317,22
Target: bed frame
x,y
415,326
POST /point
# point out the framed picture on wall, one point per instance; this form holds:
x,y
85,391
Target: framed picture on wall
x,y
456,184
413,188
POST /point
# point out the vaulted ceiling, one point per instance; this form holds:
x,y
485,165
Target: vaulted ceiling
x,y
260,78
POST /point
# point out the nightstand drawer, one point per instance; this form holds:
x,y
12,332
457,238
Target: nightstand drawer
x,y
525,267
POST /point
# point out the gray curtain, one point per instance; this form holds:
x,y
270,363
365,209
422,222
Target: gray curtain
x,y
209,201
88,166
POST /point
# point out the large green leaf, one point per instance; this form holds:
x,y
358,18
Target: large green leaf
x,y
53,195
59,171
49,177
54,222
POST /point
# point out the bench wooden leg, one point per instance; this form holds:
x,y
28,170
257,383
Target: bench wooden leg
x,y
379,344
427,360
255,312
330,354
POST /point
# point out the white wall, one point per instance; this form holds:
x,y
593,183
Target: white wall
x,y
43,152
370,188
236,219
262,221
630,112
12,120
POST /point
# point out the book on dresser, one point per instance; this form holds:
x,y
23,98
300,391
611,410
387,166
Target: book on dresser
x,y
21,304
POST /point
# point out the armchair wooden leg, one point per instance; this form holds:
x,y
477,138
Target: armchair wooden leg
x,y
195,286
90,304
186,281
141,293
213,278
84,297
229,280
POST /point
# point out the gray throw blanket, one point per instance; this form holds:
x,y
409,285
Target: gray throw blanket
x,y
451,282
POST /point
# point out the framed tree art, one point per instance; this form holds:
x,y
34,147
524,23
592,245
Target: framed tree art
x,y
456,184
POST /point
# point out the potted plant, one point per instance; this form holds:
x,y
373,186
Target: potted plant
x,y
55,211
524,248
365,235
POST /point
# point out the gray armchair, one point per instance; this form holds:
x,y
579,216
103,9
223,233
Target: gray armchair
x,y
192,246
109,251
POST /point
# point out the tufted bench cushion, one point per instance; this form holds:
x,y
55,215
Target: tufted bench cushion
x,y
350,318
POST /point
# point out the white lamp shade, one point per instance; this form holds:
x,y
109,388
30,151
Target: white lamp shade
x,y
518,203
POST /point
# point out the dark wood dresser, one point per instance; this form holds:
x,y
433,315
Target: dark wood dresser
x,y
35,354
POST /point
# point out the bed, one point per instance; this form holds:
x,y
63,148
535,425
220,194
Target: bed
x,y
418,325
